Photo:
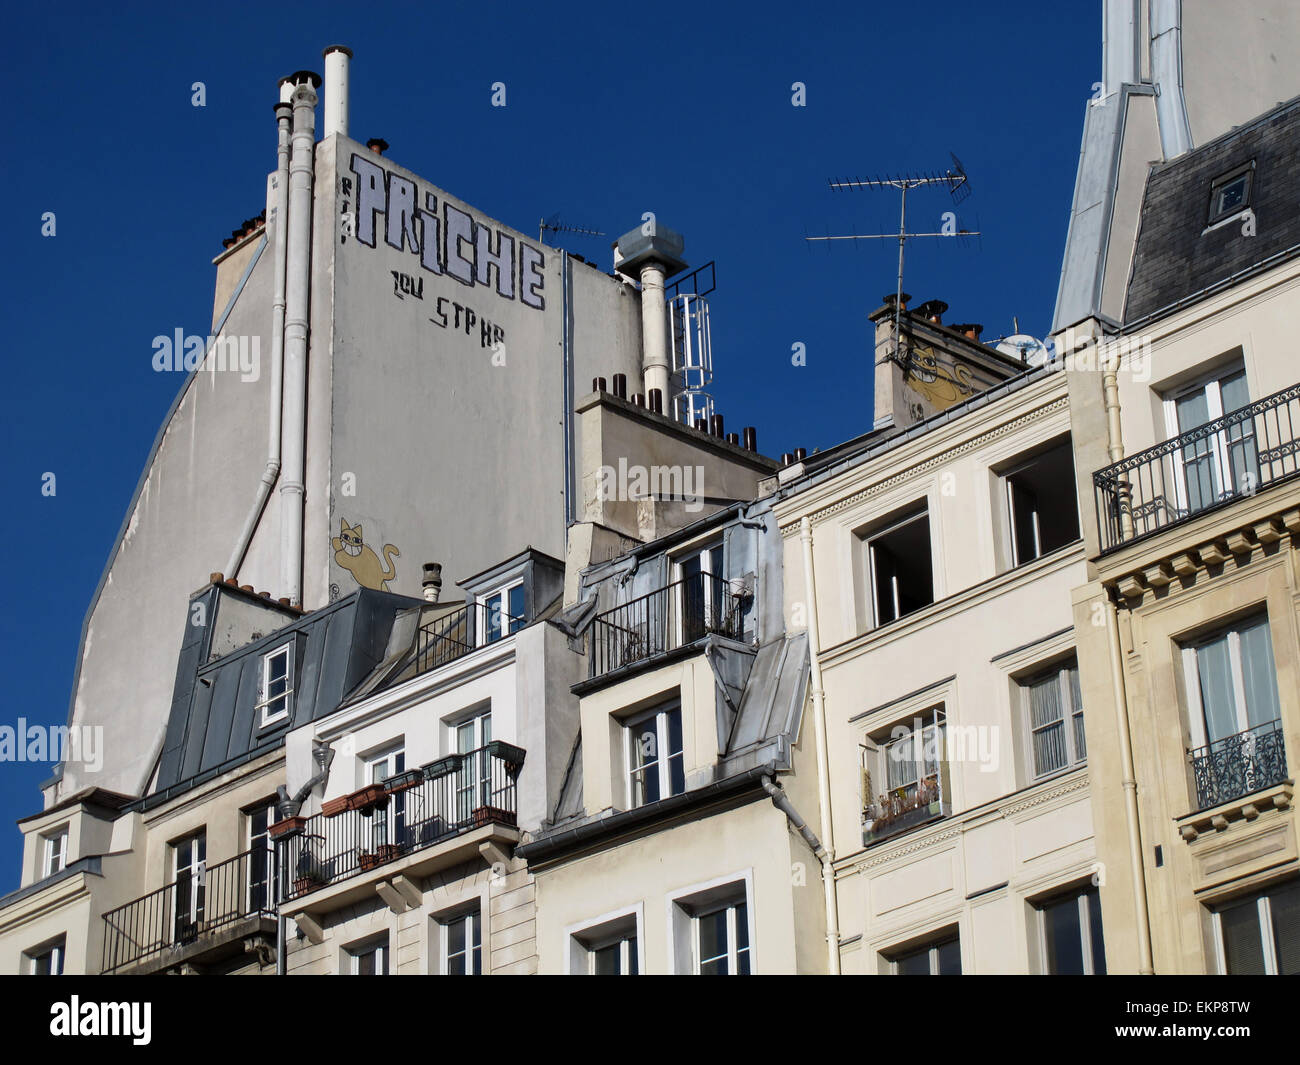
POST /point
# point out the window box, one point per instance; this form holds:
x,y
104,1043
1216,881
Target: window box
x,y
488,815
403,781
363,800
898,812
443,767
290,826
384,852
511,756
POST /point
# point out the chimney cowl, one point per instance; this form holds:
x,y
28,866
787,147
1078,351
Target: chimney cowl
x,y
377,145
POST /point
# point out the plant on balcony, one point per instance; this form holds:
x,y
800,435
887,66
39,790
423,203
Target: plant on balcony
x,y
443,767
384,852
309,874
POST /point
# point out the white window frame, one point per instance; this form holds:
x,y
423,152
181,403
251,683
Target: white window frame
x,y
267,807
869,545
663,753
473,787
54,851
684,904
197,868
1267,933
509,623
265,701
618,926
705,554
934,720
1212,385
931,948
731,909
1080,895
379,948
1069,711
56,952
473,952
1192,677
382,825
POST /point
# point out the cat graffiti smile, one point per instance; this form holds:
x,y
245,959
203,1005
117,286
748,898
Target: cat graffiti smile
x,y
361,561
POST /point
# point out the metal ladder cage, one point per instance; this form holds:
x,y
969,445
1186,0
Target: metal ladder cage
x,y
688,321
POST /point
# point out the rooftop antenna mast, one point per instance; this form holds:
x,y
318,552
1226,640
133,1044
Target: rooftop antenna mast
x,y
958,185
554,225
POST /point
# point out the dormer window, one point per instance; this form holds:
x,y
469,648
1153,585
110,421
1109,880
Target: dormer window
x,y
502,612
1230,194
55,858
276,688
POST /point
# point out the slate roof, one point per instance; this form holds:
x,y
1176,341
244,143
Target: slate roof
x,y
1177,255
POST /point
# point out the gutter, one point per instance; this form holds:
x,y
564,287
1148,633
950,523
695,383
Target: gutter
x,y
551,847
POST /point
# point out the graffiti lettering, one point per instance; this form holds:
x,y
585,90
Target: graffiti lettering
x,y
448,314
405,285
450,241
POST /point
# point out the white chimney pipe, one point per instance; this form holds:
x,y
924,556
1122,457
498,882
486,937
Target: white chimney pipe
x,y
337,58
655,364
296,317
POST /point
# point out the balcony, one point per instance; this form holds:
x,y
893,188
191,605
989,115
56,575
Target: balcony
x,y
667,619
384,825
904,809
1239,765
457,633
1211,466
199,919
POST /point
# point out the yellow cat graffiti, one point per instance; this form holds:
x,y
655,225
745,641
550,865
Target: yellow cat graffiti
x,y
361,561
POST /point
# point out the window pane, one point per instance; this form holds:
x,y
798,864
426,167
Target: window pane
x,y
1024,525
1216,690
1047,729
1076,704
1243,951
516,608
916,963
1094,929
948,958
1285,904
713,943
631,956
1064,937
606,960
1258,672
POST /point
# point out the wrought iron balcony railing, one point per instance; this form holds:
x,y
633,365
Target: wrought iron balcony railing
x,y
674,616
1239,765
457,633
189,910
409,812
1250,449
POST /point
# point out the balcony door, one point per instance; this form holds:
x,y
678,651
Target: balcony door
x,y
700,594
474,781
189,892
388,822
1216,465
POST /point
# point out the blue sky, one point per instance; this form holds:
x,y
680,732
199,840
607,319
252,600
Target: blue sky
x,y
612,110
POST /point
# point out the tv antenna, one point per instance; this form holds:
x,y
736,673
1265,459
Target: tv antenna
x,y
555,225
954,179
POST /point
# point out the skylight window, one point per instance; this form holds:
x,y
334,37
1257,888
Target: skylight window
x,y
1230,194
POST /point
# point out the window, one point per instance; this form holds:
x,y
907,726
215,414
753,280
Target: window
x,y
655,763
1054,718
940,958
474,781
263,884
369,959
502,612
462,945
608,949
46,960
189,857
55,856
702,599
1230,194
1070,937
905,776
1260,935
899,569
1213,466
1233,711
388,822
722,940
1042,510
276,685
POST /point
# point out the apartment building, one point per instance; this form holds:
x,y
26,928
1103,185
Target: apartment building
x,y
1186,447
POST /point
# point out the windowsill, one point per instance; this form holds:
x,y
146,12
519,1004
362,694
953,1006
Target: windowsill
x,y
904,823
1227,220
1243,808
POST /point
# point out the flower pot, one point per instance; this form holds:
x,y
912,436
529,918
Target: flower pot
x,y
290,826
385,852
334,807
403,781
304,884
487,815
442,767
512,757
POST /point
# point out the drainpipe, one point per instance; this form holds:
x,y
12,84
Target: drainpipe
x,y
297,310
323,754
283,119
1114,453
823,761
